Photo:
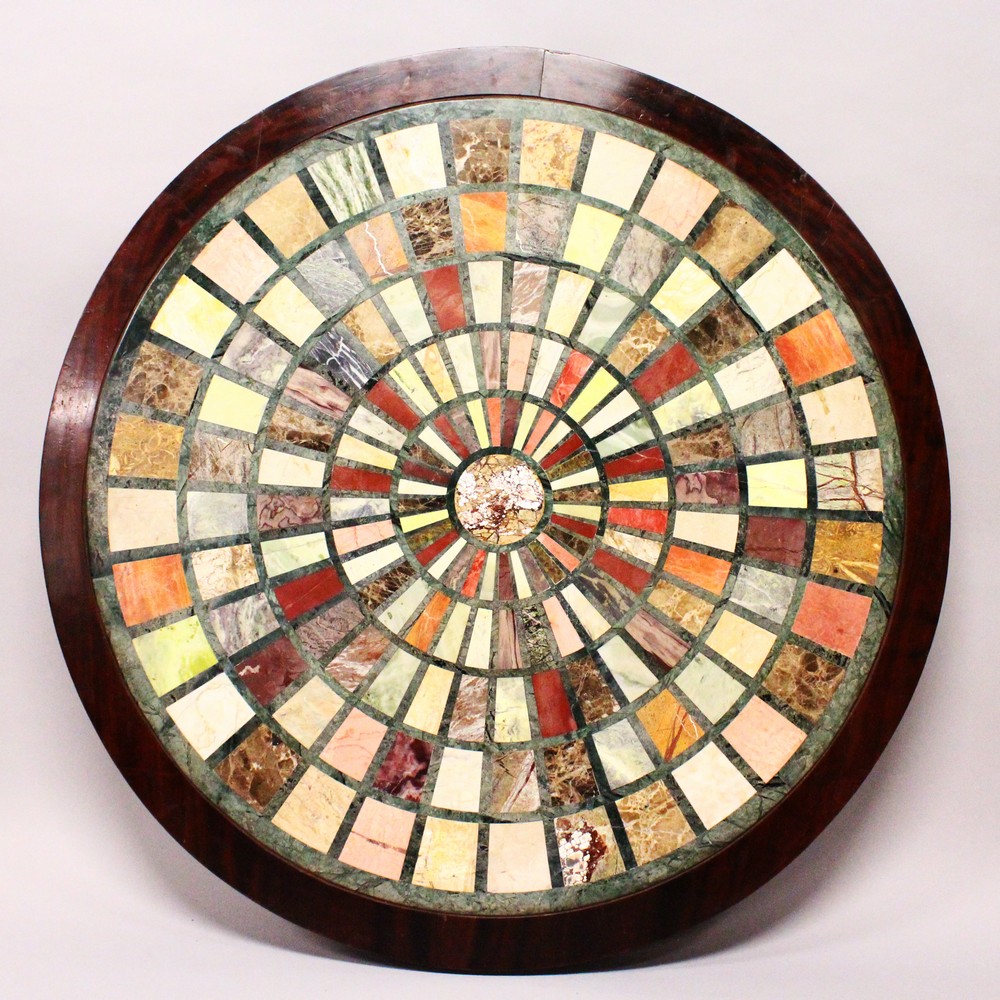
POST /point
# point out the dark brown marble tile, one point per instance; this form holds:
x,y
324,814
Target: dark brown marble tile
x,y
161,379
569,774
508,646
404,771
593,696
721,332
707,445
804,681
258,768
429,226
380,590
552,570
294,427
482,150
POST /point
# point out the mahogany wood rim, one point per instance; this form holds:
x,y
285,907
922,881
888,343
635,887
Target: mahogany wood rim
x,y
587,935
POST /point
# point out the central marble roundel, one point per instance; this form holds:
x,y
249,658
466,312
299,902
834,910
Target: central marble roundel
x,y
499,499
493,506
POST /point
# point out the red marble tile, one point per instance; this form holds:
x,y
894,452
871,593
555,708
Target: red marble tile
x,y
445,292
587,529
647,460
493,416
404,771
270,670
542,424
427,555
448,432
675,366
776,539
471,584
574,369
390,403
359,480
833,618
624,572
555,716
417,470
567,448
307,592
643,518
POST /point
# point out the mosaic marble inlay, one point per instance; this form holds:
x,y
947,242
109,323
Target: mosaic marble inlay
x,y
494,506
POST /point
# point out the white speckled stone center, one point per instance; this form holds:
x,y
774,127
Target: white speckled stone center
x,y
499,499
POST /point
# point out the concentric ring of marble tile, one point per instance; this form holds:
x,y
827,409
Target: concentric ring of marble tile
x,y
327,653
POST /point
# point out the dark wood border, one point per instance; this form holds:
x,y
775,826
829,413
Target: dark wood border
x,y
591,934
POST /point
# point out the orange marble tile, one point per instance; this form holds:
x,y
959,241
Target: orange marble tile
x,y
847,550
147,449
378,839
814,349
484,220
564,556
378,247
149,588
354,744
426,626
518,358
703,571
669,725
574,368
562,628
493,413
544,422
833,618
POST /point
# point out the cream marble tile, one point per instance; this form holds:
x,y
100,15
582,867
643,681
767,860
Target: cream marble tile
x,y
405,375
427,709
412,159
510,713
193,318
841,412
277,468
355,450
778,484
314,810
282,555
458,780
677,199
690,407
568,299
622,406
713,785
139,519
477,655
616,169
518,859
309,711
407,310
370,423
622,754
447,856
633,676
718,531
778,291
606,317
211,515
712,691
290,312
588,616
362,567
235,262
751,378
743,643
209,715
486,283
392,682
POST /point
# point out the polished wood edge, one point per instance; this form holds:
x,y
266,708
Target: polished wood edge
x,y
525,943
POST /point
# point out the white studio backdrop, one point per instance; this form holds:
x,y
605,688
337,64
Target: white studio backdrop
x,y
893,107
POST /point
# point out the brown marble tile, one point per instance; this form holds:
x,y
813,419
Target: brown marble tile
x,y
548,153
776,539
707,445
804,681
690,612
366,323
569,774
514,783
277,510
355,661
378,591
577,494
482,150
847,550
295,427
732,240
148,449
720,487
323,632
161,379
508,647
643,337
643,258
404,771
542,224
468,717
654,823
554,573
428,224
593,696
271,669
258,768
721,332
587,848
656,639
774,428
219,459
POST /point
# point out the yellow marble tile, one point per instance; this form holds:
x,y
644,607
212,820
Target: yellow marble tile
x,y
528,413
840,412
235,262
677,199
478,417
743,643
713,785
568,299
590,475
145,449
586,511
431,361
407,310
366,323
600,386
511,723
139,519
412,159
690,407
309,711
427,709
405,375
278,468
458,781
591,236
283,555
464,362
655,490
356,450
717,531
548,153
518,859
684,292
289,312
314,810
486,283
232,405
362,567
477,655
616,169
193,318
287,216
847,550
778,484
447,856
669,726
450,641
778,291
689,611
588,616
174,654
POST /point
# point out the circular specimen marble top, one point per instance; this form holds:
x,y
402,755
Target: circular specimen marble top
x,y
495,507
